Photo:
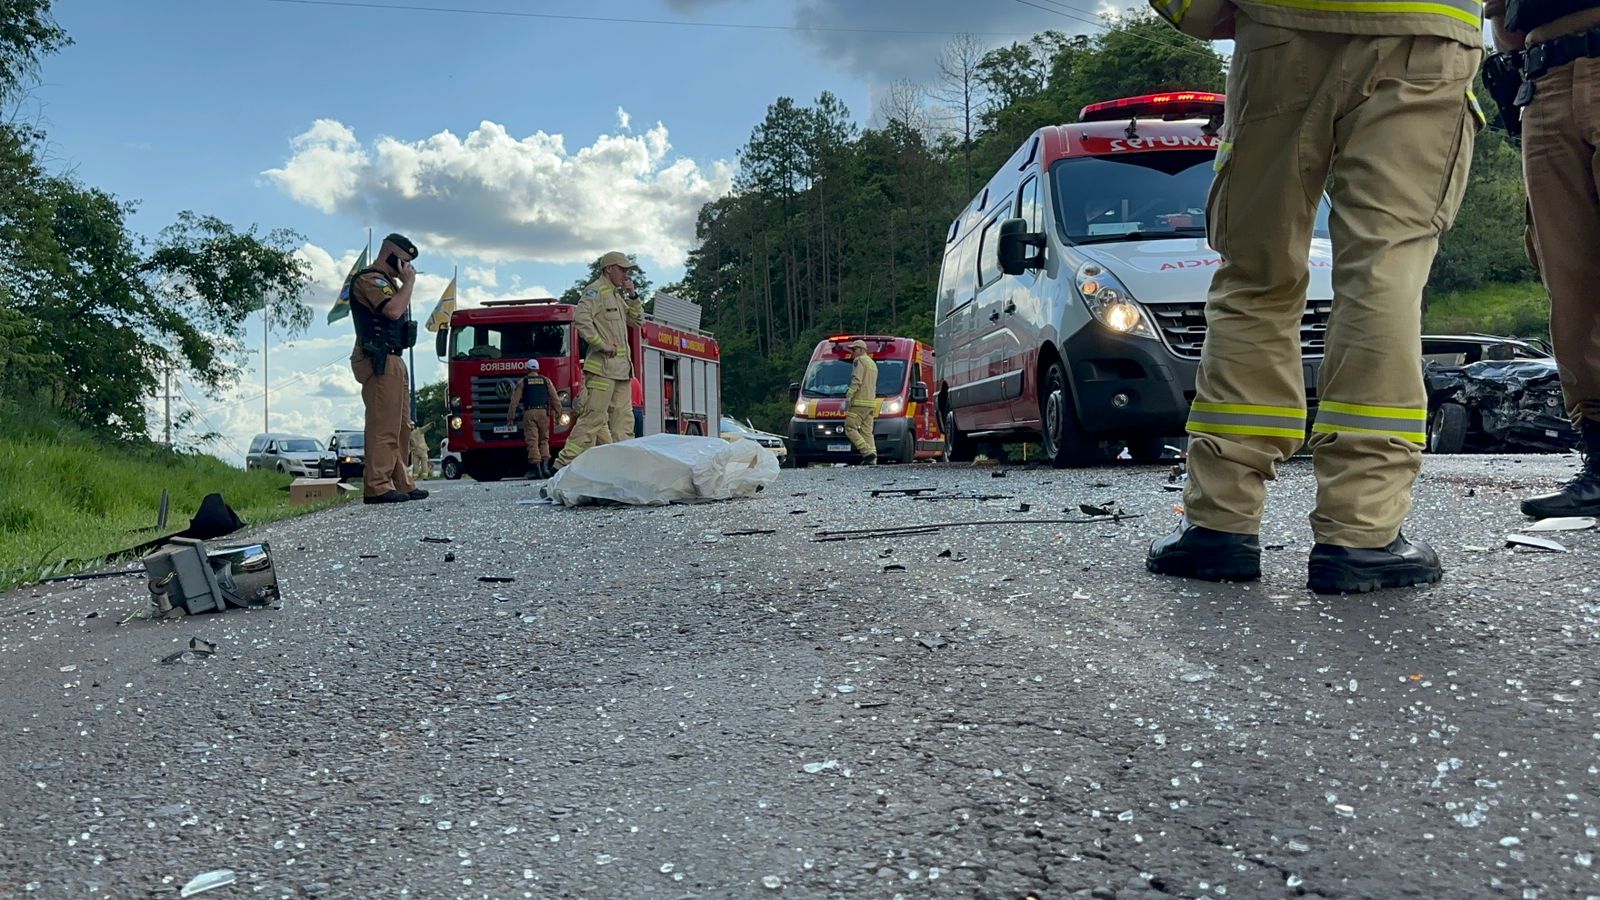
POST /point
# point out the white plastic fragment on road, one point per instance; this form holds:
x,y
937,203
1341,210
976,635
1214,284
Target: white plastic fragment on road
x,y
1570,523
209,881
662,469
1535,543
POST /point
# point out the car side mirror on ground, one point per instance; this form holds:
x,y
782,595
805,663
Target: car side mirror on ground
x,y
794,392
919,392
1015,243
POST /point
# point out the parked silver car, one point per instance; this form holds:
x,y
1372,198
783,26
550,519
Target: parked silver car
x,y
291,454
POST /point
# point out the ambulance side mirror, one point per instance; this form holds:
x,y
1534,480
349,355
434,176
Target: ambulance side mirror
x,y
919,392
794,392
1015,243
441,342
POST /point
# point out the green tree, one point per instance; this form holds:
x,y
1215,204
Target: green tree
x,y
28,33
433,406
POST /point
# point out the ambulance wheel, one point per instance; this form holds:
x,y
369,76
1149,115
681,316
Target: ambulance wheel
x,y
957,446
1447,433
1065,444
908,454
1147,451
450,469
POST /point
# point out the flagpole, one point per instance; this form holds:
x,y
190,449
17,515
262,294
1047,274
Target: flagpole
x,y
266,389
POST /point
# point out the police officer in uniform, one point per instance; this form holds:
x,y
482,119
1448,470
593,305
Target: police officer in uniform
x,y
1374,95
861,403
380,306
535,395
1556,44
608,306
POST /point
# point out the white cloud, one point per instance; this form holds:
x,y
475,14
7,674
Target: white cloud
x,y
324,171
624,121
499,198
327,274
484,275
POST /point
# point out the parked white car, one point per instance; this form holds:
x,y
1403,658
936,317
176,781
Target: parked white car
x,y
291,454
733,430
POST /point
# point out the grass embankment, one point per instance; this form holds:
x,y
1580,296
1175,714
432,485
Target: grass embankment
x,y
1511,310
69,499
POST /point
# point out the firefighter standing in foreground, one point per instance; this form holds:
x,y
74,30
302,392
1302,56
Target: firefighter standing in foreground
x,y
535,395
608,306
380,305
1378,100
1560,122
861,403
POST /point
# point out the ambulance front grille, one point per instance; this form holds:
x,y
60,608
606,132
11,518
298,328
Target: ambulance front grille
x,y
1183,326
491,399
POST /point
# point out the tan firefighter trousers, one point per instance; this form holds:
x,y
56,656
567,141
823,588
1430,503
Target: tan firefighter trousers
x,y
1388,119
605,410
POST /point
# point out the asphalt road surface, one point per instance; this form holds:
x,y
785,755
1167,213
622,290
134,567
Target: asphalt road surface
x,y
660,707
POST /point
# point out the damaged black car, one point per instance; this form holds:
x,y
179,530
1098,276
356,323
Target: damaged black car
x,y
1490,394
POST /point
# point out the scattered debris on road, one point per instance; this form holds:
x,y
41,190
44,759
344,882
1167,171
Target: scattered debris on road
x,y
1571,523
824,537
933,642
663,469
207,882
750,532
199,648
187,577
902,492
437,540
496,579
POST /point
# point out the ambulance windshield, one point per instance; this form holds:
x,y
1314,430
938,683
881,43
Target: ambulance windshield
x,y
1139,196
515,340
831,378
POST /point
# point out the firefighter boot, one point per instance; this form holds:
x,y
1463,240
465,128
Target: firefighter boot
x,y
1357,570
544,470
1581,495
1195,552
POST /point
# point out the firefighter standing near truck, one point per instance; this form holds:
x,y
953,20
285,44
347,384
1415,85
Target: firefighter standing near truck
x,y
535,395
1376,96
861,403
380,305
1551,49
608,306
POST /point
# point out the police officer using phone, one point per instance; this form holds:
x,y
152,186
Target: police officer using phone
x,y
380,305
1549,67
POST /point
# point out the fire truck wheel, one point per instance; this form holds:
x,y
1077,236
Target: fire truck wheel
x,y
1065,444
957,446
796,461
450,468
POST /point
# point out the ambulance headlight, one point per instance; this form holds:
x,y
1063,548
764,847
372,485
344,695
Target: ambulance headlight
x,y
800,408
1111,302
894,407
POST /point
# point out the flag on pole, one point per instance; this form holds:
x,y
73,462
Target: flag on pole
x,y
440,317
341,306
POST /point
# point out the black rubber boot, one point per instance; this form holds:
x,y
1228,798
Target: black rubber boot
x,y
418,494
1209,555
1581,495
390,497
544,470
1356,570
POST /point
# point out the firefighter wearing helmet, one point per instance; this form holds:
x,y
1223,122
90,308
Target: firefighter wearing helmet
x,y
608,306
535,395
861,403
1371,99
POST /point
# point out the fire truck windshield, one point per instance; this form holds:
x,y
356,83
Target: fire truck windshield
x,y
1139,196
516,340
831,378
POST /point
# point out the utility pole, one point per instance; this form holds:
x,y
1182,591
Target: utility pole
x,y
167,398
266,388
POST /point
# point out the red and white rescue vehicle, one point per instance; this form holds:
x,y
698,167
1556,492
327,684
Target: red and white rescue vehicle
x,y
1071,305
907,428
486,349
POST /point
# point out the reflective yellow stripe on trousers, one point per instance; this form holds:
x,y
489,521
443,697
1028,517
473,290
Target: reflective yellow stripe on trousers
x,y
1244,418
1407,424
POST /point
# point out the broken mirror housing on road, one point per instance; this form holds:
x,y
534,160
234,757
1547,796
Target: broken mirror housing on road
x,y
186,575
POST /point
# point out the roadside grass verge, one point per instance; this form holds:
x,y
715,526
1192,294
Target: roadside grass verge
x,y
1510,310
70,499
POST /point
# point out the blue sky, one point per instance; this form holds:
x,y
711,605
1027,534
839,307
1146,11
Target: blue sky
x,y
514,148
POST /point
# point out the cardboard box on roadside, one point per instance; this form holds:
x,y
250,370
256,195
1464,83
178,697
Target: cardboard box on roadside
x,y
312,490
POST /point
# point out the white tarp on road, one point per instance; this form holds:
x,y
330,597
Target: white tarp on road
x,y
662,469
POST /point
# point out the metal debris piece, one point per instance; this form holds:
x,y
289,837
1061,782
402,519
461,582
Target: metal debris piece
x,y
998,474
981,498
438,540
199,648
208,881
1569,523
933,642
1535,543
945,554
906,492
1024,507
750,531
496,579
449,557
823,537
894,567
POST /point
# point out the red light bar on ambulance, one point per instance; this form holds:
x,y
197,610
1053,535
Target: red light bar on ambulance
x,y
1179,105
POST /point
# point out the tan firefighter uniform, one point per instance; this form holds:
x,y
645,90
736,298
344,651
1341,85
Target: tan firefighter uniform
x,y
861,403
420,466
606,404
1378,100
387,398
536,420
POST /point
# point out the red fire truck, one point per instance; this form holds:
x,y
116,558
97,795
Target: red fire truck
x,y
486,349
907,428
